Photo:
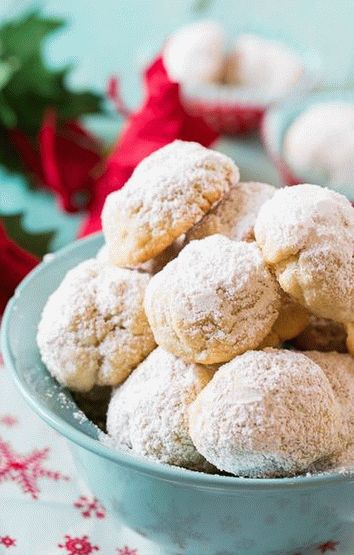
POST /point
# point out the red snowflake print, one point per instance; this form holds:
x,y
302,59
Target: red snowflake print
x,y
127,551
328,546
1,360
90,507
7,541
78,546
8,420
25,470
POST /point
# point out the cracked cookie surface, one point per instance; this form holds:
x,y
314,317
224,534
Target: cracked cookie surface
x,y
236,214
307,234
149,412
169,192
93,329
217,299
256,416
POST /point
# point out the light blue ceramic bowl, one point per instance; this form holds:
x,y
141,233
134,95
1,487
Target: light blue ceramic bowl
x,y
276,123
188,513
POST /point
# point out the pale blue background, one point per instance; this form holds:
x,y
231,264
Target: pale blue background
x,y
106,37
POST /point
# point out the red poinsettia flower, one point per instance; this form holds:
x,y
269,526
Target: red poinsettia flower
x,y
69,158
63,160
160,120
15,263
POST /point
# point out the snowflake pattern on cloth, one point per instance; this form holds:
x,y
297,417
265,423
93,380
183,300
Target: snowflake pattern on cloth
x,y
126,551
7,541
78,546
8,420
25,470
90,507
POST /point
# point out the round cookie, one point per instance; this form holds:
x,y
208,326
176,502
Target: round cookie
x,y
307,234
321,335
217,299
236,214
292,320
339,369
195,53
149,412
266,414
169,192
319,143
93,329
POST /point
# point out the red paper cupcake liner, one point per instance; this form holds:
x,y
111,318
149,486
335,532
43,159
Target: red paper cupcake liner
x,y
230,119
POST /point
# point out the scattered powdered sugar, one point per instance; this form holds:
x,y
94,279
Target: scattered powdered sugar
x,y
307,233
215,300
167,194
236,214
93,329
257,418
148,413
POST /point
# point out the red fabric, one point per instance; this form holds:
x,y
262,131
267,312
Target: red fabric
x,y
160,120
15,263
63,160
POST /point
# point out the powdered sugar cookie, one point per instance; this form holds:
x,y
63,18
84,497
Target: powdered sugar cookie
x,y
264,64
322,335
93,329
215,300
236,214
169,192
339,369
266,414
195,53
292,320
319,144
149,412
307,234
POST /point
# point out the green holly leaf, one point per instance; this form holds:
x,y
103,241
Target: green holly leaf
x,y
36,243
22,38
7,69
28,86
7,114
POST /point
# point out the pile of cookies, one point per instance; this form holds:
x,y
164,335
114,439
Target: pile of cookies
x,y
185,310
197,54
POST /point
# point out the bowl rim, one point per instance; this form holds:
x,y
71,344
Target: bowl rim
x,y
134,462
